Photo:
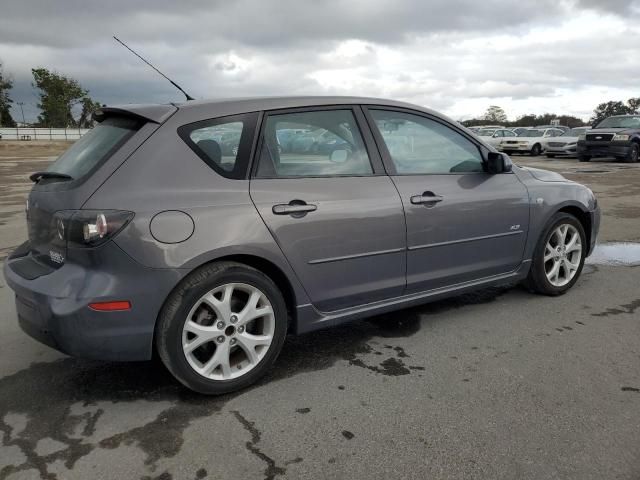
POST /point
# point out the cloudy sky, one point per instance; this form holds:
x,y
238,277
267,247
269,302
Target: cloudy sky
x,y
456,56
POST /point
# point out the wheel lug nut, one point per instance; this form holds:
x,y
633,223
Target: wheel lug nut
x,y
240,329
220,325
234,318
220,339
232,341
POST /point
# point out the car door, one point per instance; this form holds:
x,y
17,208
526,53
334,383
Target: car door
x,y
496,138
330,206
463,224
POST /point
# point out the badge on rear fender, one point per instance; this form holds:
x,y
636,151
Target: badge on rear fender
x,y
56,257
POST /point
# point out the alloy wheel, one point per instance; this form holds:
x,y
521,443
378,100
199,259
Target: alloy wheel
x,y
228,331
562,255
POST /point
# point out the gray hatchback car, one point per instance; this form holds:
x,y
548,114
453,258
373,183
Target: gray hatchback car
x,y
191,230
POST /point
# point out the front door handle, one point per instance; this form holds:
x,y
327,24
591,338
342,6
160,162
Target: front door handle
x,y
427,198
295,208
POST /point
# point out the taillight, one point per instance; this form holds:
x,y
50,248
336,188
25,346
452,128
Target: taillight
x,y
90,228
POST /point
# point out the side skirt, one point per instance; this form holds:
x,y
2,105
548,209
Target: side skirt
x,y
310,319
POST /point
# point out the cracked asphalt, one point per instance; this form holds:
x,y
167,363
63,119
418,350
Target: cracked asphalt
x,y
494,384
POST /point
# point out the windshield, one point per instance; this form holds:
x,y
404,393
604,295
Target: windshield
x,y
95,147
487,132
574,132
531,133
620,122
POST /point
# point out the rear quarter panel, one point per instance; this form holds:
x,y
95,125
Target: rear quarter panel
x,y
165,174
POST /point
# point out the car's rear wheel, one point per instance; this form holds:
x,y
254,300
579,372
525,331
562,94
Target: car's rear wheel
x,y
584,158
559,256
535,150
634,153
222,328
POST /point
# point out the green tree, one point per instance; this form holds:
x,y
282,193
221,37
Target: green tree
x,y
88,107
611,108
495,114
58,96
6,84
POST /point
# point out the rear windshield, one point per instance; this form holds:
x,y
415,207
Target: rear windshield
x,y
95,147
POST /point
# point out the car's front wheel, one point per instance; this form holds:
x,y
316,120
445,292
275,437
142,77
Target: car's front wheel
x,y
535,150
222,328
559,256
634,153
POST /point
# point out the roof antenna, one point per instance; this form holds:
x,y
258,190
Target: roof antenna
x,y
189,97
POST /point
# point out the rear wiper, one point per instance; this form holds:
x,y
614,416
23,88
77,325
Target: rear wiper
x,y
35,177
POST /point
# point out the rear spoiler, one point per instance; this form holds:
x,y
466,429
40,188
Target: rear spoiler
x,y
148,113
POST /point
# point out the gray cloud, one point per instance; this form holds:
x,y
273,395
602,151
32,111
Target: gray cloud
x,y
441,54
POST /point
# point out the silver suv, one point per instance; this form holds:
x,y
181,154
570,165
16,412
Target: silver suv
x,y
193,231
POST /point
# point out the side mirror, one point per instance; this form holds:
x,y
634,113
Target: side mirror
x,y
497,163
339,155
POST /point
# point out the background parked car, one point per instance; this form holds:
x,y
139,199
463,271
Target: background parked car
x,y
617,136
495,136
519,130
286,136
565,144
558,127
320,141
530,141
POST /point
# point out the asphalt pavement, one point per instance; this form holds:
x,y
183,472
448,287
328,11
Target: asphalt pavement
x,y
496,384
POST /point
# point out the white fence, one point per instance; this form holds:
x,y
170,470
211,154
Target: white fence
x,y
26,134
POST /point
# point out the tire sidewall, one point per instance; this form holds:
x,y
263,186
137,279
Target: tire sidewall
x,y
536,150
538,271
174,318
634,148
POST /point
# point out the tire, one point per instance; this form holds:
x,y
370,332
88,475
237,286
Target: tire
x,y
551,155
634,153
584,158
538,280
536,150
236,284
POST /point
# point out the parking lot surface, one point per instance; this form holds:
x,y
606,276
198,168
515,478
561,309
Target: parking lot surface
x,y
495,384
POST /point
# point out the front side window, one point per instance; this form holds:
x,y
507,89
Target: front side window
x,y
224,143
418,145
312,144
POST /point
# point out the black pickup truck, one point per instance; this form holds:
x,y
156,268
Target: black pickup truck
x,y
617,137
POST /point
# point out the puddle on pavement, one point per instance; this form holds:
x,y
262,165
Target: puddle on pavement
x,y
618,253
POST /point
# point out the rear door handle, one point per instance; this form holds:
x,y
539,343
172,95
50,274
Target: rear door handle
x,y
426,198
295,208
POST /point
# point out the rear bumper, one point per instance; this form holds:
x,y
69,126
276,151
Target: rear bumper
x,y
566,150
53,308
596,149
514,148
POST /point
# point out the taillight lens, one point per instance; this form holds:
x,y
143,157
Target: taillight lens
x,y
90,228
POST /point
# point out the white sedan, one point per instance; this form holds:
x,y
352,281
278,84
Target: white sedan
x,y
494,136
565,144
530,141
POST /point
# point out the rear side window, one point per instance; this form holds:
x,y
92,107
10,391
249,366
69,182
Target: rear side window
x,y
222,143
318,143
95,147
